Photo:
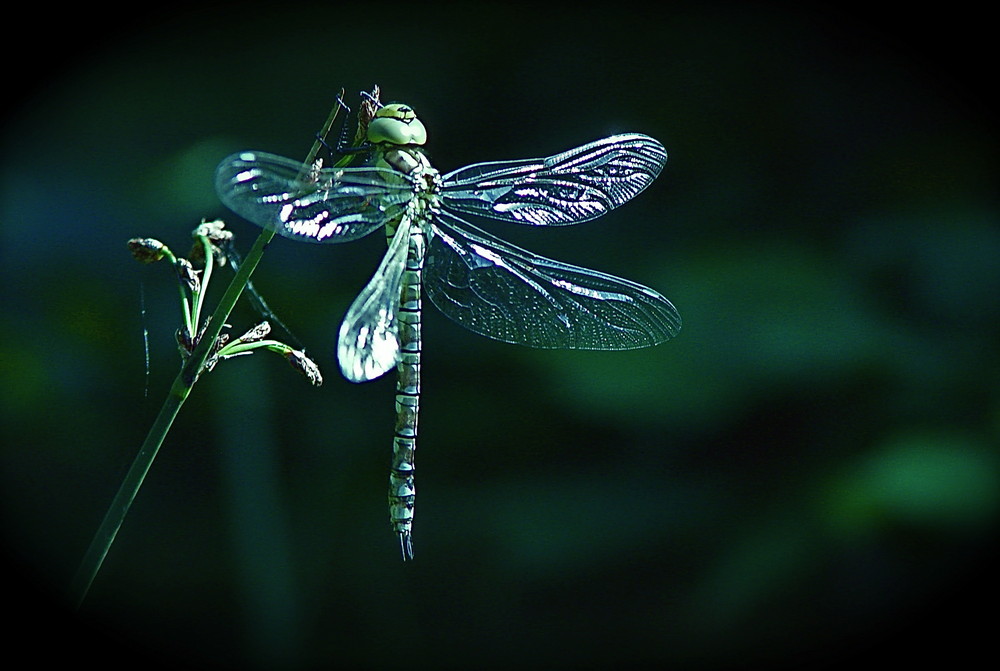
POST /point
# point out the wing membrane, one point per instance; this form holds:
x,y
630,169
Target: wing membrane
x,y
331,205
574,186
502,292
368,345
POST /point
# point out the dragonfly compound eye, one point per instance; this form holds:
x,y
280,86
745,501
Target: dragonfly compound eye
x,y
396,124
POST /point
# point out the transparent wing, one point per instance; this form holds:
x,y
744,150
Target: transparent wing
x,y
567,188
368,346
302,203
502,292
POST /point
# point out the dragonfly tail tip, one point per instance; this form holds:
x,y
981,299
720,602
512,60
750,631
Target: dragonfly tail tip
x,y
406,546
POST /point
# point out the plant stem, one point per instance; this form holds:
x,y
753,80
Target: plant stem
x,y
199,300
179,391
120,505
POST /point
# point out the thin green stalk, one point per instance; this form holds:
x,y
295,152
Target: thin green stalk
x,y
185,303
179,391
206,250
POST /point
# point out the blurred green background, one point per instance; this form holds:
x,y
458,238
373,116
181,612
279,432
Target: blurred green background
x,y
808,473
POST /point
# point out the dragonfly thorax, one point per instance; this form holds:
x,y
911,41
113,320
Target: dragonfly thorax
x,y
426,182
407,160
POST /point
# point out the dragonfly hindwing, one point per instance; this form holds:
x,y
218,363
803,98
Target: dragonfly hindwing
x,y
506,293
368,346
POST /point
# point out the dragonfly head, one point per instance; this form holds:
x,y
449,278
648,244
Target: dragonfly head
x,y
396,124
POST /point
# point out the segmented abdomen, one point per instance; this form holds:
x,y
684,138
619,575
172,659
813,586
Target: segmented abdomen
x,y
402,490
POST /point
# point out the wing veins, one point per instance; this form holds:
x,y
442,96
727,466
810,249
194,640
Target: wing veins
x,y
500,291
302,203
566,188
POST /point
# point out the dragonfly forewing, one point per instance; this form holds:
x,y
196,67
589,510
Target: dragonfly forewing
x,y
567,188
303,203
509,294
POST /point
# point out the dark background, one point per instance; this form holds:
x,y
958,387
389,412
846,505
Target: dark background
x,y
808,474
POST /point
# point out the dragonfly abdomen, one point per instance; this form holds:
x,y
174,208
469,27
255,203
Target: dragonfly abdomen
x,y
402,490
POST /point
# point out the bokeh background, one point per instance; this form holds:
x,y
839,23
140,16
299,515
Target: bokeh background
x,y
808,474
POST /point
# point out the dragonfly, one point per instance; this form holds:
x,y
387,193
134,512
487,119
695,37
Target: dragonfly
x,y
483,283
